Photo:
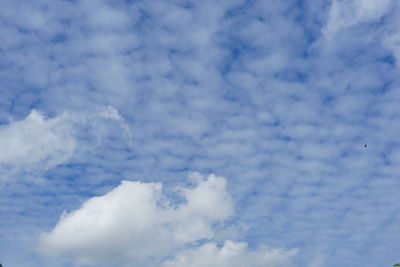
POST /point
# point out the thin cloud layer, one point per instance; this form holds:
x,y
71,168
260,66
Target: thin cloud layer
x,y
232,254
31,146
35,143
344,14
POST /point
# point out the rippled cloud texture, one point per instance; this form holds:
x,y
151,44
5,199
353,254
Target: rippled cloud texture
x,y
107,106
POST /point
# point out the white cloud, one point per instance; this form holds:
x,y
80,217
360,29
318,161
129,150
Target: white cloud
x,y
232,254
136,225
193,91
318,261
136,222
392,42
35,143
344,14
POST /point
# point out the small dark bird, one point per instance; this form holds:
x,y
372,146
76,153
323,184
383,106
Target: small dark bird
x,y
365,145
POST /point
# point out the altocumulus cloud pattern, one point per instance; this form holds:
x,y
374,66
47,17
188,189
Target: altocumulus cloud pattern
x,y
240,133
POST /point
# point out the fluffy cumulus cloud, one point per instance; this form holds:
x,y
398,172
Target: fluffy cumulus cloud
x,y
137,223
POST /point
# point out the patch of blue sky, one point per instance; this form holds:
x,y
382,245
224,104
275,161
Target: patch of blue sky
x,y
259,92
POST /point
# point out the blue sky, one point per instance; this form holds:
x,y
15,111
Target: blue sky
x,y
199,133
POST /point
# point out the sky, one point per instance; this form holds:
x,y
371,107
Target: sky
x,y
240,133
